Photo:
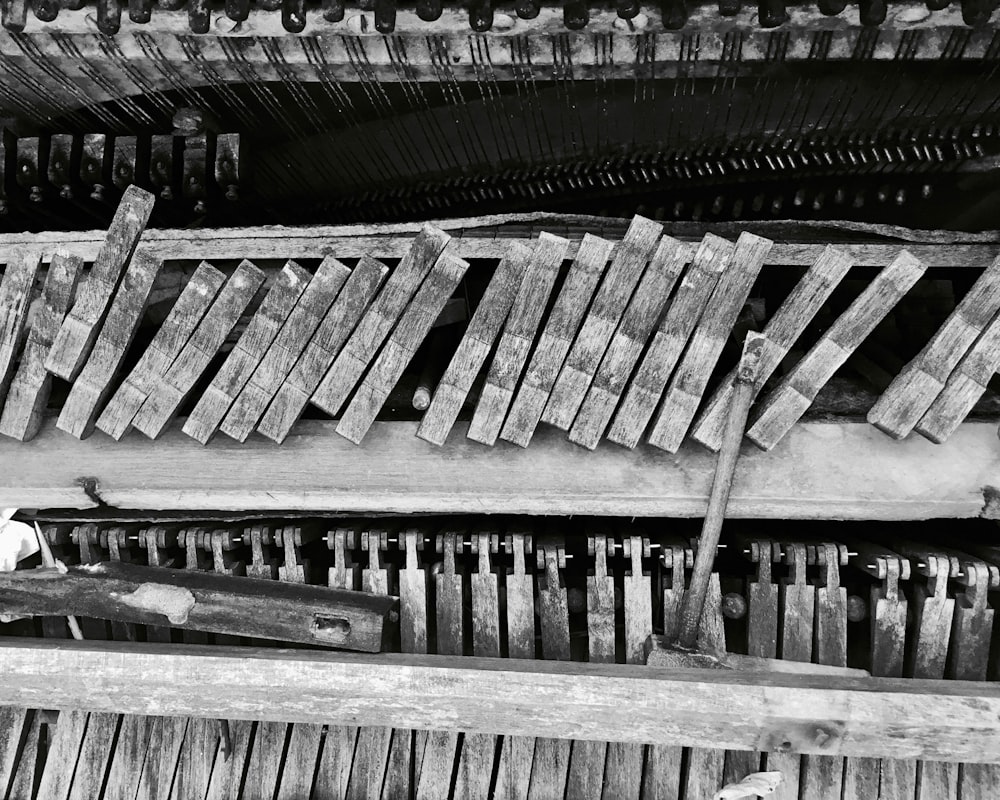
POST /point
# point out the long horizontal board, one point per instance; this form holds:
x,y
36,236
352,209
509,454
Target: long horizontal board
x,y
820,470
625,703
485,237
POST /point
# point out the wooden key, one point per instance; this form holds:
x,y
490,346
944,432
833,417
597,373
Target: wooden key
x,y
784,405
911,394
620,280
710,261
780,334
26,775
973,622
64,749
28,392
170,390
282,354
294,393
517,339
413,326
167,343
644,309
230,767
379,320
211,409
162,757
264,759
978,781
475,347
762,606
334,769
95,753
12,724
93,384
556,340
194,762
128,758
689,382
76,335
963,388
15,297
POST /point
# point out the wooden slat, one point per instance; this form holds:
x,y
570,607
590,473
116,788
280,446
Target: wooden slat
x,y
780,334
64,752
129,757
557,338
15,297
379,320
813,474
208,414
229,772
93,383
518,337
279,359
913,390
72,343
779,410
12,733
170,390
167,344
413,326
163,754
627,344
475,347
602,320
293,395
28,392
95,754
689,382
710,261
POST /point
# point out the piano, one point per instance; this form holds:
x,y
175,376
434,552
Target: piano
x,y
442,304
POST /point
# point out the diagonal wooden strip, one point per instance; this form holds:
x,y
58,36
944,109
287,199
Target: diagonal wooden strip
x,y
293,395
780,334
595,334
129,757
72,344
693,373
94,382
25,779
911,394
95,754
160,767
413,326
626,346
557,338
379,320
267,748
475,347
174,385
963,388
211,408
29,390
276,364
15,297
643,395
12,732
334,767
783,406
168,342
229,772
63,755
197,756
518,336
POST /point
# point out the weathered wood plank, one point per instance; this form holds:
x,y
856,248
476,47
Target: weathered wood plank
x,y
15,297
878,717
29,389
72,343
166,345
781,408
195,600
475,347
813,474
93,383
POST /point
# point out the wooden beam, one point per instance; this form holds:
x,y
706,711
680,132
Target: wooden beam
x,y
874,717
821,470
797,245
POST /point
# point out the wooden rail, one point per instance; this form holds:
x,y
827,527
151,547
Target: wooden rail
x,y
820,470
873,717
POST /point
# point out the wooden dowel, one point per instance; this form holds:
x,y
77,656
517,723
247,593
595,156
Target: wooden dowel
x,y
739,410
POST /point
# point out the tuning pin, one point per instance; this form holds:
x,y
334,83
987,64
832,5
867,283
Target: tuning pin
x,y
198,16
832,7
926,191
385,16
976,12
333,10
237,10
429,10
627,9
575,15
293,16
14,14
46,10
527,9
872,12
480,15
771,13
